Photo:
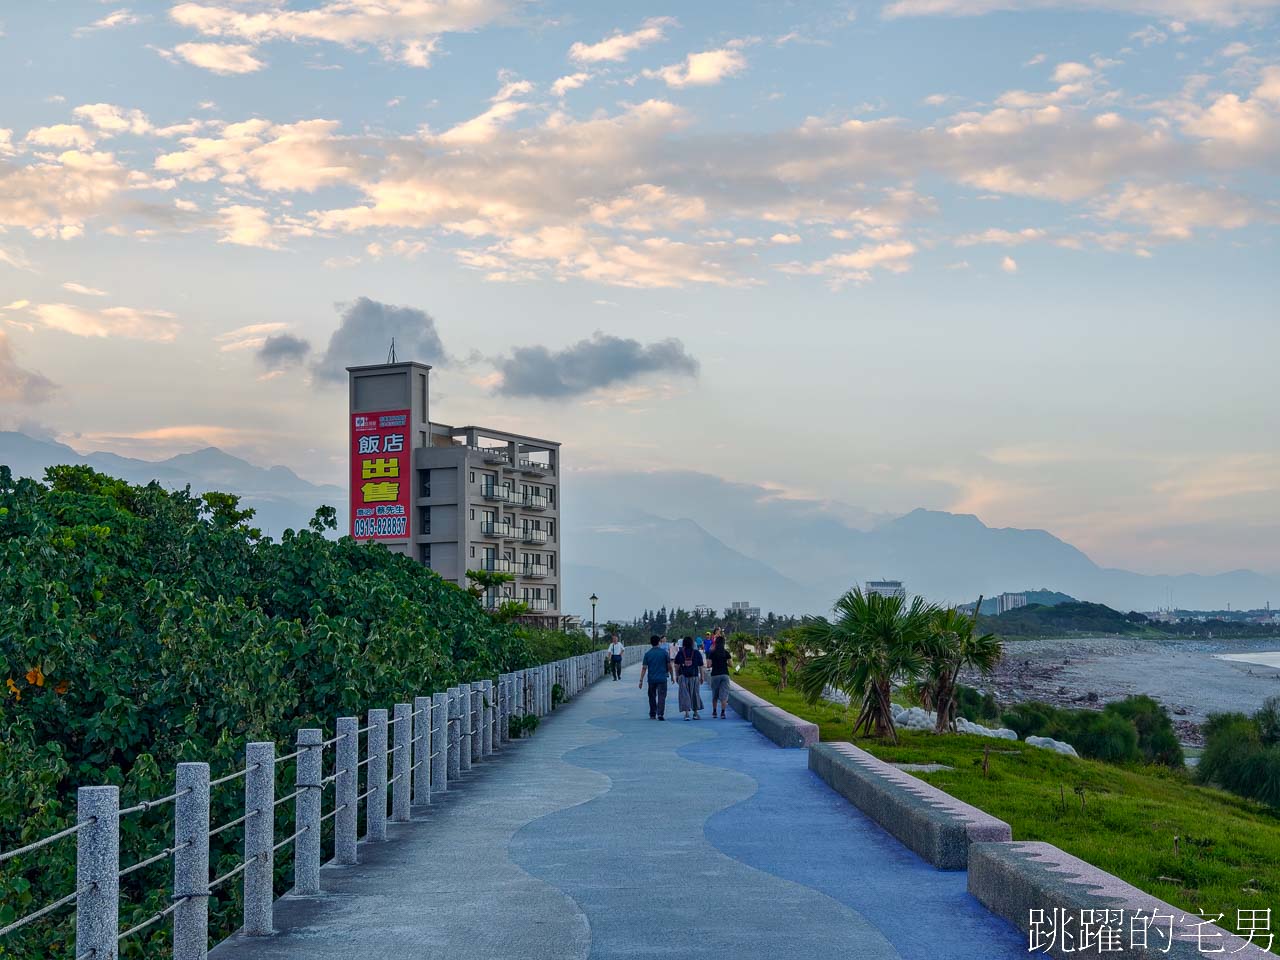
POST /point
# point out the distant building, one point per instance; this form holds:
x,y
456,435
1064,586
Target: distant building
x,y
886,588
744,609
704,610
1010,601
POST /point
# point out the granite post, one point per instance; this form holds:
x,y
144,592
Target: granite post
x,y
346,789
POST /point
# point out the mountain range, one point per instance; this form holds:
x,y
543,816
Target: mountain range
x,y
644,540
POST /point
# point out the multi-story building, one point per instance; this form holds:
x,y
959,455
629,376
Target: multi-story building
x,y
744,609
1010,601
475,498
886,588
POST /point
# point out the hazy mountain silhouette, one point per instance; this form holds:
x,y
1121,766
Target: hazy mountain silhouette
x,y
642,540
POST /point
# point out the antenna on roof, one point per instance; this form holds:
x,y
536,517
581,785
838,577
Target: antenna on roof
x,y
391,353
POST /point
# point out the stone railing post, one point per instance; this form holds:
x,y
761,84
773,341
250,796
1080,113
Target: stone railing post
x,y
455,733
375,778
464,727
422,750
346,789
486,718
439,720
259,837
191,862
306,813
400,763
98,871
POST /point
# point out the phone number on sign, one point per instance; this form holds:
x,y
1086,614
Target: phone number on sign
x,y
382,527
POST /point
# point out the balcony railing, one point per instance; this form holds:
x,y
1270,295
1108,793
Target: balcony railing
x,y
533,535
537,605
535,468
536,570
497,529
536,501
499,493
493,454
498,565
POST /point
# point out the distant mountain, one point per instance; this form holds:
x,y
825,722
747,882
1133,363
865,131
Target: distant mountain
x,y
1043,598
281,498
642,540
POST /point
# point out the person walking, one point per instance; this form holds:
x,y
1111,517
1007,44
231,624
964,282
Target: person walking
x,y
719,660
615,657
689,665
657,665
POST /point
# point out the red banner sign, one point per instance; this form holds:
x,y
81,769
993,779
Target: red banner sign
x,y
381,475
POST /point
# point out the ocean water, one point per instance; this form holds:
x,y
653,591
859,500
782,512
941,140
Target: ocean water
x,y
1266,658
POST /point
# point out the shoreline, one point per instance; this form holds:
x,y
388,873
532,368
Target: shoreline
x,y
1191,677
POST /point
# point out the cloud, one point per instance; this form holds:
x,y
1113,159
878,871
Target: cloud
x,y
55,196
618,46
1002,237
588,365
283,350
129,323
858,265
291,156
1173,211
117,18
365,332
570,82
246,226
109,119
1009,265
80,288
63,135
1210,11
404,30
249,337
11,257
226,59
701,69
19,385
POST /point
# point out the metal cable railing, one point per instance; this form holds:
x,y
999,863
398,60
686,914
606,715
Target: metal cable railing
x,y
423,755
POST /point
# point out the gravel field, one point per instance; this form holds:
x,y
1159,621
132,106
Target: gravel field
x,y
1186,675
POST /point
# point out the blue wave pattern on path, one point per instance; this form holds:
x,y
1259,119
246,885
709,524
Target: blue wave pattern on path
x,y
797,827
637,862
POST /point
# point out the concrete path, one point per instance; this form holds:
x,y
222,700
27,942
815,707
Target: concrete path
x,y
609,835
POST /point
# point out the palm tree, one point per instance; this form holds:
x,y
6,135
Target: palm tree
x,y
953,645
782,654
737,643
873,641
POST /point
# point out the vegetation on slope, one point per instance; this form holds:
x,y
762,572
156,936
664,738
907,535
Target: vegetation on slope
x,y
141,627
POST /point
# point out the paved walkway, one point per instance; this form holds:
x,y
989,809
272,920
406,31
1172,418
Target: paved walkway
x,y
608,835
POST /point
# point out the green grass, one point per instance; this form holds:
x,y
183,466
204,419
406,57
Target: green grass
x,y
1228,854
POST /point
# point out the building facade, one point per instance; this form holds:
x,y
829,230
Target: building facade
x,y
744,609
477,498
886,588
1010,601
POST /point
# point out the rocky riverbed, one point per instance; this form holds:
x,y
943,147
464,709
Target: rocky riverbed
x,y
1186,675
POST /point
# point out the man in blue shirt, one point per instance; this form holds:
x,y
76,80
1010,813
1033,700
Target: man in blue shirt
x,y
657,665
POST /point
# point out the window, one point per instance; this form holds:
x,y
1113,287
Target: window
x,y
473,552
551,561
424,553
473,513
424,520
551,496
551,596
473,476
551,529
424,483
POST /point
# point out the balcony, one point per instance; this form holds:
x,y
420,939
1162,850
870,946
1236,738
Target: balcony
x,y
533,535
537,604
536,501
492,602
497,565
534,468
536,571
494,454
497,530
499,493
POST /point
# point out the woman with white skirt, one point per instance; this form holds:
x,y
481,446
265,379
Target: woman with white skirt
x,y
689,671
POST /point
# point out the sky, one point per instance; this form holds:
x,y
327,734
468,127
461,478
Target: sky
x,y
1015,258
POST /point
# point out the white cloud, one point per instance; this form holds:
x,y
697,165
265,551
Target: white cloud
x,y
1175,210
1000,237
227,59
1009,265
485,127
570,82
110,120
55,196
619,45
858,265
1071,72
125,322
701,69
249,337
246,226
116,18
1211,11
60,135
292,156
1236,49
80,288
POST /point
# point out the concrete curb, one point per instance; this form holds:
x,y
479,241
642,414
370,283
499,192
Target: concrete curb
x,y
1013,879
923,818
784,729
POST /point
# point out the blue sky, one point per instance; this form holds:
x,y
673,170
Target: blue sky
x,y
1009,258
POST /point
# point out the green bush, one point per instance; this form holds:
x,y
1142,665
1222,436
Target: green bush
x,y
1242,753
976,706
1157,739
141,627
1136,729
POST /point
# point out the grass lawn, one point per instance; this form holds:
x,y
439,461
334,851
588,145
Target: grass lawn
x,y
1228,854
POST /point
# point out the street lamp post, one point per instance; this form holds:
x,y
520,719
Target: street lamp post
x,y
594,601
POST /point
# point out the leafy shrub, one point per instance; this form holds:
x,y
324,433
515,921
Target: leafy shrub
x,y
1242,753
1157,739
557,695
976,706
141,627
1136,729
519,726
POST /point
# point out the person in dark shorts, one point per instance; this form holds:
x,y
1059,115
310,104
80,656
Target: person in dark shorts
x,y
689,668
657,666
615,657
719,660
